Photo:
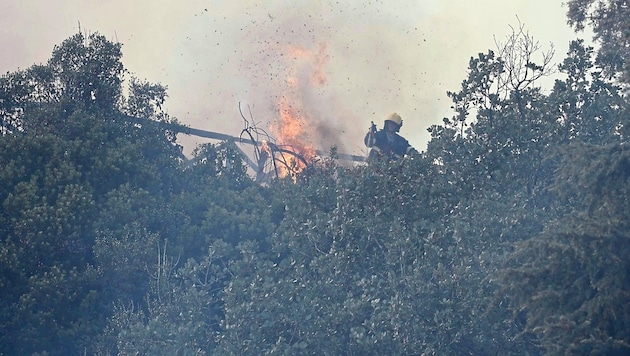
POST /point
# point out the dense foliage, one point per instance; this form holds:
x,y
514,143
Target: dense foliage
x,y
610,22
508,235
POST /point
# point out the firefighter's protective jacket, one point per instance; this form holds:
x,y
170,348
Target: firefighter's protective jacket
x,y
392,146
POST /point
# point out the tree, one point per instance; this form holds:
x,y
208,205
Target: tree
x,y
67,150
589,108
82,75
368,265
506,236
501,128
13,91
145,99
183,309
49,291
610,21
571,281
88,73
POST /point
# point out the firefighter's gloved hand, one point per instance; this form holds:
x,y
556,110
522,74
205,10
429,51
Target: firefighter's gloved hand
x,y
372,127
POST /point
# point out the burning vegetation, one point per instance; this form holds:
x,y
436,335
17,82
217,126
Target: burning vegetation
x,y
295,129
275,159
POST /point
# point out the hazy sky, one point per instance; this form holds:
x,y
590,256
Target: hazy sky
x,y
342,63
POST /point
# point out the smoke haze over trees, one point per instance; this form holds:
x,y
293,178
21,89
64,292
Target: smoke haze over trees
x,y
507,235
406,56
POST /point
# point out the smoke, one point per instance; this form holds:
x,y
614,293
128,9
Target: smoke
x,y
372,57
341,66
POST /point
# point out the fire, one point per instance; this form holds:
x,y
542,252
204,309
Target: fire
x,y
293,130
296,123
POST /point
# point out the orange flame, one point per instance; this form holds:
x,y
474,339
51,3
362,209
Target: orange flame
x,y
293,130
295,126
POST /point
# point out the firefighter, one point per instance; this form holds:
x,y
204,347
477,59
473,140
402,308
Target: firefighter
x,y
387,142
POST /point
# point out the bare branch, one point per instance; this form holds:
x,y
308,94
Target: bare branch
x,y
521,70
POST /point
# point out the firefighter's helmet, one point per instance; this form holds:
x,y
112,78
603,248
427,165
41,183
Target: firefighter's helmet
x,y
395,118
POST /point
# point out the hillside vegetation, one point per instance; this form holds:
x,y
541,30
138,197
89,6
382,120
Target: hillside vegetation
x,y
508,235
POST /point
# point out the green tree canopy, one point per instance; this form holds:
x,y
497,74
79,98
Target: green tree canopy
x,y
506,236
610,22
